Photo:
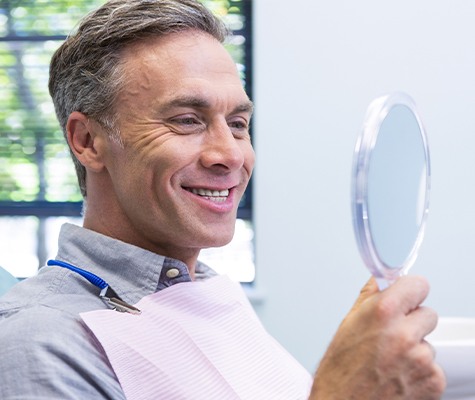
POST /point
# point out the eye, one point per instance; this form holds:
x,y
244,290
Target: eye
x,y
239,126
186,124
186,121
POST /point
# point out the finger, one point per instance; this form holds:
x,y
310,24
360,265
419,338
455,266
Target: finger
x,y
429,372
408,292
431,348
440,380
422,321
368,290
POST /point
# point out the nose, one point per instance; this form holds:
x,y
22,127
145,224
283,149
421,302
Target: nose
x,y
222,151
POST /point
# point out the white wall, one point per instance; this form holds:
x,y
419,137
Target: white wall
x,y
318,64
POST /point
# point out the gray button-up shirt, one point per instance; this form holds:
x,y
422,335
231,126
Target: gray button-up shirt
x,y
46,350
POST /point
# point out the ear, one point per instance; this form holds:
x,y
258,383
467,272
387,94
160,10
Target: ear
x,y
84,141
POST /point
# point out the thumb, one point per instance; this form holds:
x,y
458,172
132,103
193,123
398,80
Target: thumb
x,y
368,290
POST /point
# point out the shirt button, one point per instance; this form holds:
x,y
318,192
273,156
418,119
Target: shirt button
x,y
172,273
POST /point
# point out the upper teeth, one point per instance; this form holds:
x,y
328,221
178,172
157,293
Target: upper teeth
x,y
211,193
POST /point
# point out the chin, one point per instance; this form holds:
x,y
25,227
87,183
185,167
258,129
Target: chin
x,y
219,241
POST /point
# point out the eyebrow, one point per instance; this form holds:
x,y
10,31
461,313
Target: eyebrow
x,y
199,102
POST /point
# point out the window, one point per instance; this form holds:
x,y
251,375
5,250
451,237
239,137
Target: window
x,y
38,186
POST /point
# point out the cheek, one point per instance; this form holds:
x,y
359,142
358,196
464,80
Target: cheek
x,y
249,157
131,172
153,164
167,162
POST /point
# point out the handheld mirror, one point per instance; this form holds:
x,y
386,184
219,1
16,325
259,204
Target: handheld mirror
x,y
390,187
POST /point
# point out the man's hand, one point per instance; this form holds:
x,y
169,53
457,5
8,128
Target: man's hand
x,y
379,351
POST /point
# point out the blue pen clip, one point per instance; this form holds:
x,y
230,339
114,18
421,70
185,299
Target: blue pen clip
x,y
107,293
117,304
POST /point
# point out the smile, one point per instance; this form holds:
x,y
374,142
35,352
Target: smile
x,y
213,195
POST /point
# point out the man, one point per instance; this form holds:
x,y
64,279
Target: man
x,y
158,125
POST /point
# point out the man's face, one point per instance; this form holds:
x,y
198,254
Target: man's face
x,y
187,156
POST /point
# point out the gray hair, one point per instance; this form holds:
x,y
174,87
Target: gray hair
x,y
86,73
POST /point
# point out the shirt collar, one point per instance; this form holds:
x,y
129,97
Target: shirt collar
x,y
131,271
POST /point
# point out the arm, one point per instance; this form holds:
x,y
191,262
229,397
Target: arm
x,y
379,351
48,354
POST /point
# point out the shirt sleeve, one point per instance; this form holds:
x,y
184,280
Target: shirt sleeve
x,y
48,353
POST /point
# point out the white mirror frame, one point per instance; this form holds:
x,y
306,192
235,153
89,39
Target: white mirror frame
x,y
377,112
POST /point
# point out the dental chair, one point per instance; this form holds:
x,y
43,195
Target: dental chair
x,y
7,280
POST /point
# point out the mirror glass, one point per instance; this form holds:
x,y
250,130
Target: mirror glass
x,y
391,181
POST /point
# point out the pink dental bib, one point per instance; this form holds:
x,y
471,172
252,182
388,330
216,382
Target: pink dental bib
x,y
197,341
